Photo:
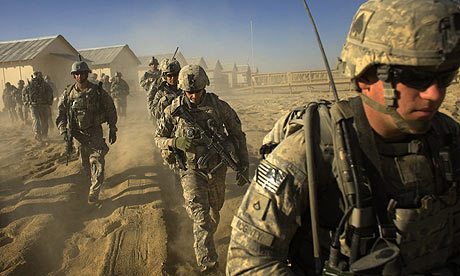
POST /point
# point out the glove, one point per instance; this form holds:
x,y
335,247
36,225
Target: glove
x,y
182,143
240,181
112,136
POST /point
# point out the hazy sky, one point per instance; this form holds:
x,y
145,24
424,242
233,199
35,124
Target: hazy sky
x,y
215,29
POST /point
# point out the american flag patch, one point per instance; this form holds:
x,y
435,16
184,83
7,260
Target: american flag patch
x,y
270,177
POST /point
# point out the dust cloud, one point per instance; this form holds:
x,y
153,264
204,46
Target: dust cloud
x,y
47,228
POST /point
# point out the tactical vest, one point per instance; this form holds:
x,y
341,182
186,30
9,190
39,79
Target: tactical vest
x,y
86,108
207,116
421,217
37,93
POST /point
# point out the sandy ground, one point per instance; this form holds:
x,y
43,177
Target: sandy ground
x,y
47,228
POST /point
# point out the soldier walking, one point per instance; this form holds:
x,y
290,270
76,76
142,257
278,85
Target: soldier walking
x,y
119,91
83,108
53,106
368,185
203,194
150,76
9,101
21,109
39,97
165,91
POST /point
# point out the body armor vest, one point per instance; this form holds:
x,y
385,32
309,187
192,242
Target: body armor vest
x,y
208,118
416,183
86,107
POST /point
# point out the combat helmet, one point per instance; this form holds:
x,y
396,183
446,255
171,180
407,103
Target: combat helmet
x,y
400,33
192,78
20,82
153,61
37,74
80,66
171,66
7,84
118,74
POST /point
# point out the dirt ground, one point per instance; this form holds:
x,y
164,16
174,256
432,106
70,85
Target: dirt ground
x,y
47,228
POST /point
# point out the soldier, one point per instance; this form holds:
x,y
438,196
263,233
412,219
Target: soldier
x,y
400,215
163,92
20,108
52,107
93,78
105,83
151,75
9,101
83,108
204,196
119,90
39,97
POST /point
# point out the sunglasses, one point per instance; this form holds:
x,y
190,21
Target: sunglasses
x,y
421,79
170,75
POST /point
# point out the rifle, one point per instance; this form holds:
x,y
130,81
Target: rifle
x,y
175,52
214,142
69,141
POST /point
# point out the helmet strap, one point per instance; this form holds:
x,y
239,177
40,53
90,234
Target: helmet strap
x,y
389,93
405,126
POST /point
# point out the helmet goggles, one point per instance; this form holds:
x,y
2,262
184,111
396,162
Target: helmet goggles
x,y
421,79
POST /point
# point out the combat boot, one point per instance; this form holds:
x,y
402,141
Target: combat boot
x,y
93,199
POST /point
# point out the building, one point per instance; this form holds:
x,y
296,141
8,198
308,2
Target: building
x,y
112,59
216,78
229,72
52,55
198,61
243,75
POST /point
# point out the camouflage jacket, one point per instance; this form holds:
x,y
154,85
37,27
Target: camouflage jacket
x,y
19,91
162,98
149,78
38,92
271,232
211,108
85,109
119,88
8,97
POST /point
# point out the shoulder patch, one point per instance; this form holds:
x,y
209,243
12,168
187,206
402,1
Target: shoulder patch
x,y
270,177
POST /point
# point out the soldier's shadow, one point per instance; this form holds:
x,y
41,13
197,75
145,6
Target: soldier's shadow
x,y
133,187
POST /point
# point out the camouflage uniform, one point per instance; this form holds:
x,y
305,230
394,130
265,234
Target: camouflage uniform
x,y
162,93
39,96
151,76
88,110
204,197
303,200
9,101
53,106
105,83
20,108
119,90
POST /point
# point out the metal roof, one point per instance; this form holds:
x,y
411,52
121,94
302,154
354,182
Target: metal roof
x,y
104,55
198,61
243,68
26,49
213,64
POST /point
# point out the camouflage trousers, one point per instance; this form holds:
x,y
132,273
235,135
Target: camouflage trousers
x,y
92,157
12,113
203,200
39,114
20,110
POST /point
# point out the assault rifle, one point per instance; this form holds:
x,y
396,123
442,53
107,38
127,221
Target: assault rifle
x,y
69,141
214,142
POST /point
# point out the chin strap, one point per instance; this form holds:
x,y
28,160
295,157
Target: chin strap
x,y
405,126
390,105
